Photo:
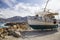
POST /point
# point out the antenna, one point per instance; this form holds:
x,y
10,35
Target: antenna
x,y
46,5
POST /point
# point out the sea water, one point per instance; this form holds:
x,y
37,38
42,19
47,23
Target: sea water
x,y
2,25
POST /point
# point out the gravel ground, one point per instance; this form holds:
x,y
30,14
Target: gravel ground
x,y
37,35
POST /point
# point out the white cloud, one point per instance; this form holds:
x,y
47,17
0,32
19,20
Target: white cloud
x,y
8,13
25,9
20,9
54,4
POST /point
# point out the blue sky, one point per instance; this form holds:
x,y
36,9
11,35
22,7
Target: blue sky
x,y
32,1
10,8
19,7
3,3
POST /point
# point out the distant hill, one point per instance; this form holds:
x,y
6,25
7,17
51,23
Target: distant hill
x,y
16,19
2,20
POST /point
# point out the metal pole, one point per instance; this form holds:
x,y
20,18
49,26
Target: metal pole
x,y
46,5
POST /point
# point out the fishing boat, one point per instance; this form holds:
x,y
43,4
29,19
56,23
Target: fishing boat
x,y
45,21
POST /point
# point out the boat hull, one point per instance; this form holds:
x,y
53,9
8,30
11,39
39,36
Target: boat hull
x,y
43,26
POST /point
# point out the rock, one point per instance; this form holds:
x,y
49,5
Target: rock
x,y
16,34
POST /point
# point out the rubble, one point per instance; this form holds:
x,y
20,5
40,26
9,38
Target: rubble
x,y
13,30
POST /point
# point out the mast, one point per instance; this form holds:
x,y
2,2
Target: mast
x,y
44,8
46,5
